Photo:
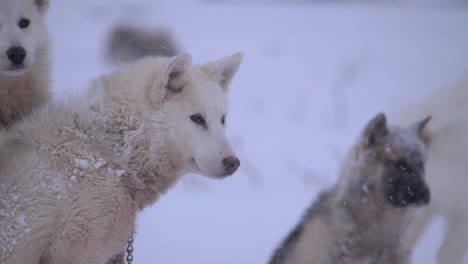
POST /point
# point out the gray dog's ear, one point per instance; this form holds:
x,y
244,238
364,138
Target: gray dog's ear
x,y
42,5
421,125
224,70
376,130
177,73
420,128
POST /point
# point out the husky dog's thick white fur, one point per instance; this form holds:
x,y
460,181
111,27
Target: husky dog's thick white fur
x,y
447,168
24,58
74,176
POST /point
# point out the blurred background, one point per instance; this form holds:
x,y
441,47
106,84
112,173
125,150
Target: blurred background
x,y
314,72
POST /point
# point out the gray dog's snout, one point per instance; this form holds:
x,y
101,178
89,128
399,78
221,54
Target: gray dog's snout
x,y
16,55
230,165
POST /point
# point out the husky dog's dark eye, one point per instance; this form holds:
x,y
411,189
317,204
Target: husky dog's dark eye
x,y
403,167
198,119
223,120
23,23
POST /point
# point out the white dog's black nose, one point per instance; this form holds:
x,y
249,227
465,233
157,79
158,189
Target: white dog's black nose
x,y
16,55
230,165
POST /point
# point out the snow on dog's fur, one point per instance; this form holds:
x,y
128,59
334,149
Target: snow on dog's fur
x,y
74,176
24,58
363,218
447,174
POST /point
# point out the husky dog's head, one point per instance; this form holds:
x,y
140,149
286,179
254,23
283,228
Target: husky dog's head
x,y
183,108
22,34
196,112
395,157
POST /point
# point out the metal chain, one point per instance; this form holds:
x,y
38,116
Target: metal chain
x,y
129,257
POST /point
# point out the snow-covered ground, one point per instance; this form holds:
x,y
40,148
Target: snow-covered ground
x,y
312,77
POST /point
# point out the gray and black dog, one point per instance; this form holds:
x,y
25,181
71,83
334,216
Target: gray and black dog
x,y
127,43
363,218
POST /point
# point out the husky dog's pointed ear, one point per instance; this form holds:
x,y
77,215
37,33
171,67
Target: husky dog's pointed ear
x,y
223,70
420,128
376,130
177,73
42,5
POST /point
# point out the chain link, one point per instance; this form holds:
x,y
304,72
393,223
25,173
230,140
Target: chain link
x,y
129,257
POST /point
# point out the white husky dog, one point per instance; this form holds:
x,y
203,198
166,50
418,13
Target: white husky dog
x,y
74,176
446,173
24,58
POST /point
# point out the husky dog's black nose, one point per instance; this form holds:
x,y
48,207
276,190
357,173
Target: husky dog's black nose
x,y
16,55
230,165
422,195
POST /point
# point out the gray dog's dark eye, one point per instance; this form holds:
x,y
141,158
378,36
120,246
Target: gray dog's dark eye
x,y
23,23
403,167
223,120
401,164
198,119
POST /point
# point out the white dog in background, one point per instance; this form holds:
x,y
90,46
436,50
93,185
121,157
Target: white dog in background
x,y
447,168
24,58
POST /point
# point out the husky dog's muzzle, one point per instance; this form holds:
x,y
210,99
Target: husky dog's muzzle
x,y
404,186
